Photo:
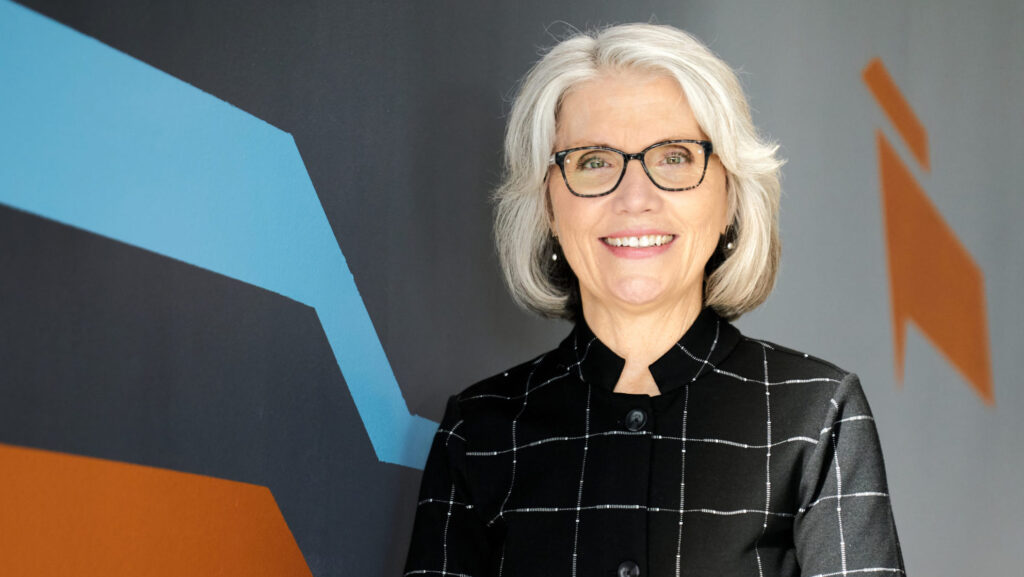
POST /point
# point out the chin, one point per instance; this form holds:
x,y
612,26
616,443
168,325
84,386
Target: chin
x,y
640,291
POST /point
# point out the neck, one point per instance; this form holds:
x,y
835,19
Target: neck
x,y
640,337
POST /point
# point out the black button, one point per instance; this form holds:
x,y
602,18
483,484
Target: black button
x,y
636,419
629,568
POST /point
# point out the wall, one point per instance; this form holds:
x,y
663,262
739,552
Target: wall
x,y
247,255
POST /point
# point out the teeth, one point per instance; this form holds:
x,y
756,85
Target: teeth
x,y
639,241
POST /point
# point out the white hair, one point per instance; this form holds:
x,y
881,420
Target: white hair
x,y
746,276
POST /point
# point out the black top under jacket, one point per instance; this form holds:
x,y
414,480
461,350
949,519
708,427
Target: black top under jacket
x,y
754,461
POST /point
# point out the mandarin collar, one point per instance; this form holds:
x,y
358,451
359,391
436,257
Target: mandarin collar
x,y
707,342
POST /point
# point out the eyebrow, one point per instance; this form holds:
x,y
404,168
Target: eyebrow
x,y
606,145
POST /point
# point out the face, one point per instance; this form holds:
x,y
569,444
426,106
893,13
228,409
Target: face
x,y
630,112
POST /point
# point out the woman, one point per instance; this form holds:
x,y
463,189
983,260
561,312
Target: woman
x,y
656,439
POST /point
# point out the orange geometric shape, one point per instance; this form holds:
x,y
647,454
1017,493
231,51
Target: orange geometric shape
x,y
66,515
896,107
934,281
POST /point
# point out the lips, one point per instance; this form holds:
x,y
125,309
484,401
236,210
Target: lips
x,y
638,241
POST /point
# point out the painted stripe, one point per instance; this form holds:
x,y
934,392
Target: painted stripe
x,y
924,253
896,107
98,140
71,515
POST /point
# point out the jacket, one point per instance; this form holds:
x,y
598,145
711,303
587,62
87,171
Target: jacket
x,y
755,460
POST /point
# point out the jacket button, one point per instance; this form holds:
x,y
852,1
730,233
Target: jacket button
x,y
636,419
629,569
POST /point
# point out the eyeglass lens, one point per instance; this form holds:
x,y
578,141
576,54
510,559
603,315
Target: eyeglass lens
x,y
671,165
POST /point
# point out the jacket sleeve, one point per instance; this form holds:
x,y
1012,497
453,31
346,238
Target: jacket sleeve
x,y
845,522
449,537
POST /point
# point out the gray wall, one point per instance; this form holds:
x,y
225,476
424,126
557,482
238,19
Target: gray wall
x,y
955,465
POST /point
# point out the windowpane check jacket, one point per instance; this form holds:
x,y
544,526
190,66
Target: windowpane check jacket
x,y
754,461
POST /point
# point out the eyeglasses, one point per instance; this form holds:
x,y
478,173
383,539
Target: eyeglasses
x,y
597,170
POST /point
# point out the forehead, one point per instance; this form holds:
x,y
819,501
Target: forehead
x,y
627,110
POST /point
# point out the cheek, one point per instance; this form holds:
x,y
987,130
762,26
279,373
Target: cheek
x,y
573,240
554,202
570,219
576,224
701,229
699,243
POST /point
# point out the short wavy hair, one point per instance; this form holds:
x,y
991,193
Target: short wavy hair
x,y
735,282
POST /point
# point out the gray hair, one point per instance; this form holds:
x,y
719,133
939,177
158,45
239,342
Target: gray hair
x,y
745,275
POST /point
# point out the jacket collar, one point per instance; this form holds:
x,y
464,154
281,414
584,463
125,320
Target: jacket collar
x,y
707,342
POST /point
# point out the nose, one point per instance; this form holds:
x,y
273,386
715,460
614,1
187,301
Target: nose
x,y
636,193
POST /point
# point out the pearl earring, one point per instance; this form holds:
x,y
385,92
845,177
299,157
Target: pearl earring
x,y
729,245
554,256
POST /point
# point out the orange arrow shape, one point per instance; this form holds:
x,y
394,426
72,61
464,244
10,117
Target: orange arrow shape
x,y
66,515
934,281
899,111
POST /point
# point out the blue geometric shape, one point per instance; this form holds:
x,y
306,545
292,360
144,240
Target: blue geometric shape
x,y
95,139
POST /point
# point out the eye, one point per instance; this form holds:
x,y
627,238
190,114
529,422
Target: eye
x,y
592,162
673,156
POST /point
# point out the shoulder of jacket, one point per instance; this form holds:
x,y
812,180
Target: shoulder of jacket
x,y
798,362
508,383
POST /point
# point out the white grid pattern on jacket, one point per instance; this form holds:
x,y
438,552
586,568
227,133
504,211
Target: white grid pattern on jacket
x,y
827,434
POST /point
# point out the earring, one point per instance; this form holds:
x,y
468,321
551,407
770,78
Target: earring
x,y
554,256
728,239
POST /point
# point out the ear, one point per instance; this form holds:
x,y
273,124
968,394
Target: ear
x,y
550,212
731,210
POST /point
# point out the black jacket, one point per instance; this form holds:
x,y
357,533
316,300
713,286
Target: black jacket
x,y
754,461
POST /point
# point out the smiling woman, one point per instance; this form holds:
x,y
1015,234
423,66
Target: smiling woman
x,y
656,439
637,252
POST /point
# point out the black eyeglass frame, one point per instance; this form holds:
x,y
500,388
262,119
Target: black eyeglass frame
x,y
559,159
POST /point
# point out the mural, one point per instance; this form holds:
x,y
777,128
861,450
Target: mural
x,y
245,257
143,222
65,514
206,184
934,281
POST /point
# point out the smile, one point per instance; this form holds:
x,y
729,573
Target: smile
x,y
639,241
